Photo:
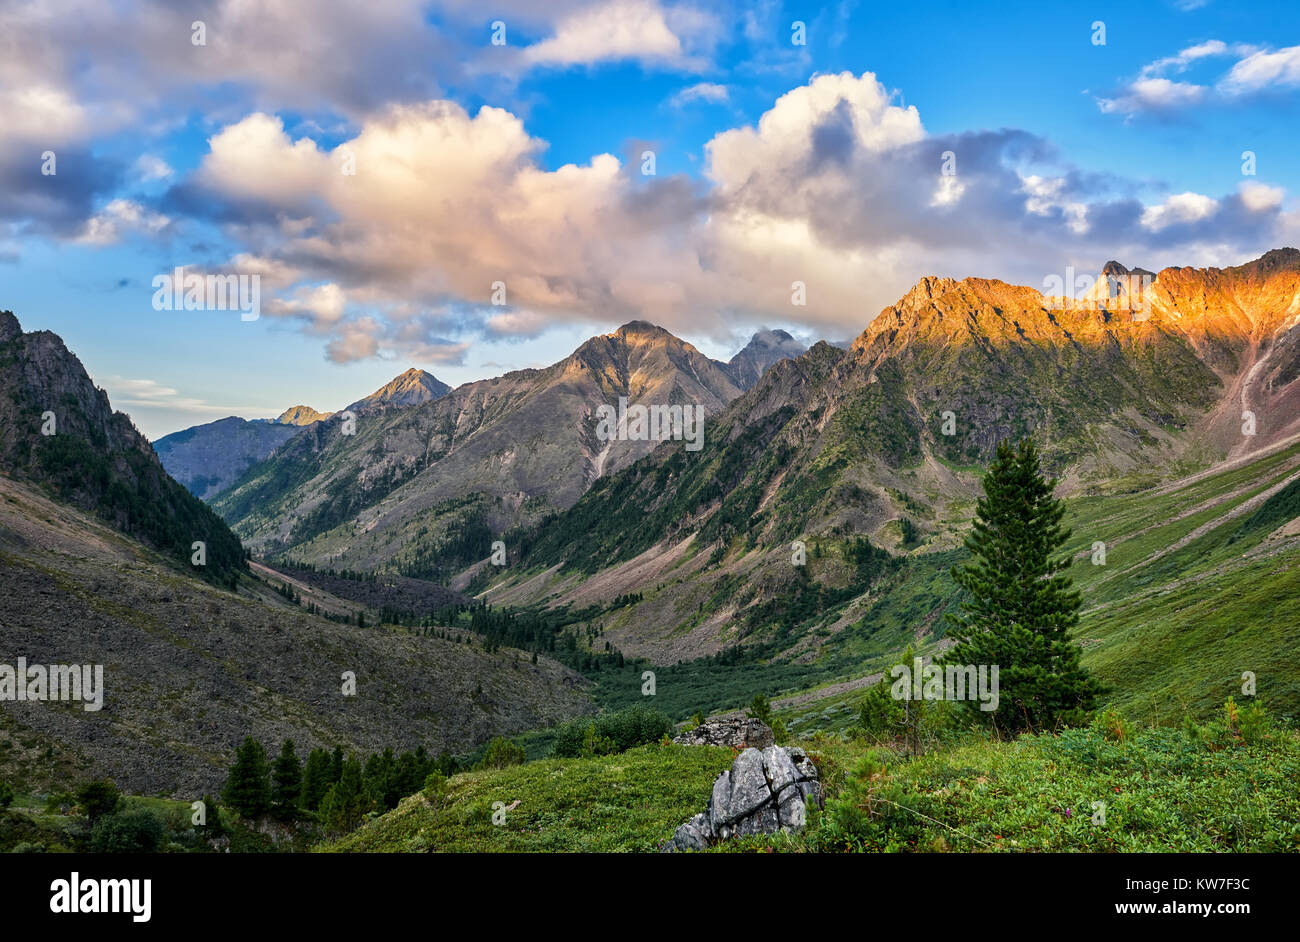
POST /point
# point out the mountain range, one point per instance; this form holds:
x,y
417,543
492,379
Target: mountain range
x,y
97,566
886,441
808,538
397,488
208,458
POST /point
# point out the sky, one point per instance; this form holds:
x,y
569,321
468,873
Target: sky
x,y
472,187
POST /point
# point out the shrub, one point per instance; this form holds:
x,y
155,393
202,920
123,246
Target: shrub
x,y
212,827
873,812
59,802
501,753
1239,725
610,733
594,744
98,798
435,786
879,715
1114,727
1253,722
6,795
477,812
135,831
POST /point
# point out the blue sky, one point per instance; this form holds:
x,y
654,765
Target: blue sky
x,y
521,164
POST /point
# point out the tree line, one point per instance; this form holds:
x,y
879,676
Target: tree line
x,y
331,788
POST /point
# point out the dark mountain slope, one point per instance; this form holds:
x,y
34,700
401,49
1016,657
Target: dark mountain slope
x,y
95,458
189,669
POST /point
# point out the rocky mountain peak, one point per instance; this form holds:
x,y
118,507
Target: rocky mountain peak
x,y
642,335
765,339
300,415
407,389
638,329
1274,260
10,329
765,348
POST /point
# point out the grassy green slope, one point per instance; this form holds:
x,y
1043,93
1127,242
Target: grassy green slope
x,y
1164,790
626,802
1193,593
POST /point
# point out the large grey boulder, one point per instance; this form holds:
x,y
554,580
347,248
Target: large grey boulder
x,y
763,792
739,733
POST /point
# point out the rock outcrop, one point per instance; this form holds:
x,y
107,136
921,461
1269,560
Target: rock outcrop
x,y
763,792
740,733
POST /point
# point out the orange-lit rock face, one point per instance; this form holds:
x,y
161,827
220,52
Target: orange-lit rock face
x,y
1237,322
1249,303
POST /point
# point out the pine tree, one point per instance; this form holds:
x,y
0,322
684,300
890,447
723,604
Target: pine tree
x,y
1021,606
286,783
248,787
315,779
346,802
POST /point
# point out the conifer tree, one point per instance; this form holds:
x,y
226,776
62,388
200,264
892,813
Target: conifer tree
x,y
1020,605
315,779
212,827
98,798
286,783
346,802
248,787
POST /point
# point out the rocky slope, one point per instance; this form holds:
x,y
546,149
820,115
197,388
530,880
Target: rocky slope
x,y
190,669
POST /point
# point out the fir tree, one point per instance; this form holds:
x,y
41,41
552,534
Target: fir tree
x,y
286,783
1020,606
248,787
